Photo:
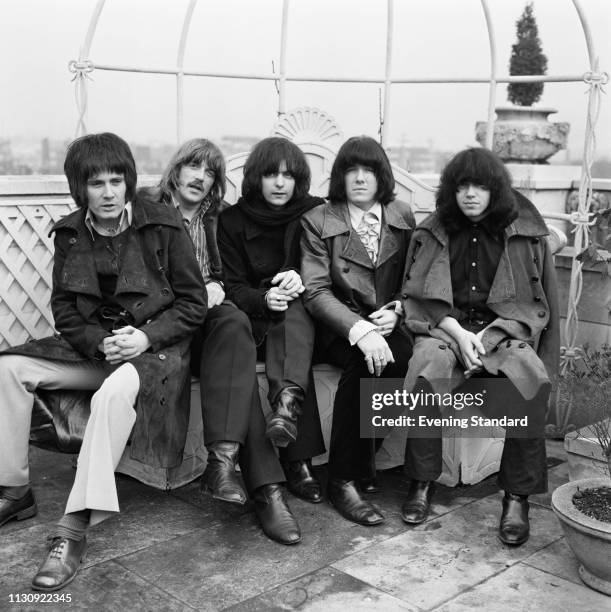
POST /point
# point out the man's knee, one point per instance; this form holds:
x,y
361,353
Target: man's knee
x,y
228,319
118,390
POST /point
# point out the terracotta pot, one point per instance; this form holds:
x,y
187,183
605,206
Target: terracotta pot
x,y
523,134
589,539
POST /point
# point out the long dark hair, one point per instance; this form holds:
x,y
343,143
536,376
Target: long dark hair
x,y
266,157
362,151
96,153
480,167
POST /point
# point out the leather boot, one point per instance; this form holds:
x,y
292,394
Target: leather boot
x,y
220,478
301,481
275,516
18,509
369,485
347,500
416,507
286,409
514,527
61,564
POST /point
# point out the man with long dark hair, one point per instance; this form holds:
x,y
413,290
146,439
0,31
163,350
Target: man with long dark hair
x,y
481,303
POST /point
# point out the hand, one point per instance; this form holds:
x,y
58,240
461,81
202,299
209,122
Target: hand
x,y
386,320
216,294
276,300
289,282
377,352
126,343
471,348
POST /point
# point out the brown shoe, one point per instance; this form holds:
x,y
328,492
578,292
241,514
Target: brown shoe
x,y
301,481
18,509
61,564
220,478
514,528
286,409
416,507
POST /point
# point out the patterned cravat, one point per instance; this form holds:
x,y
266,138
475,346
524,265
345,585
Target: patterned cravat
x,y
369,233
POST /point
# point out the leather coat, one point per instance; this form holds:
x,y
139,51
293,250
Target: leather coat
x,y
522,342
162,293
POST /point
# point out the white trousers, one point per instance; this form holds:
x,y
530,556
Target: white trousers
x,y
108,429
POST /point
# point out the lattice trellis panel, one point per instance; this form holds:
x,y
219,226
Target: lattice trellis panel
x,y
26,264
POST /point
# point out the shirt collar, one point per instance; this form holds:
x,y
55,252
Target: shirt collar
x,y
124,222
356,213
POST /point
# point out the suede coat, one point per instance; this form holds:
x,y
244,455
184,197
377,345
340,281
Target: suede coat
x,y
522,342
343,286
161,290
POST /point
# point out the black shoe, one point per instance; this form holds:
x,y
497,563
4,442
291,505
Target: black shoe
x,y
514,527
220,478
286,409
346,499
61,564
369,485
301,481
275,516
18,509
416,507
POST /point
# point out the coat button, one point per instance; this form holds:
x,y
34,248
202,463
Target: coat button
x,y
72,240
537,298
535,241
161,356
535,279
404,296
522,345
535,259
345,270
165,291
443,347
541,314
508,345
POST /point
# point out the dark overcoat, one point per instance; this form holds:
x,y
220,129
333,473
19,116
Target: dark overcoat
x,y
523,297
161,290
343,286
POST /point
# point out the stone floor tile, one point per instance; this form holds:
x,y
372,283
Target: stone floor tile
x,y
441,558
203,567
326,590
557,559
525,588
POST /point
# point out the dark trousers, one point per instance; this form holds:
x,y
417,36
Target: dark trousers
x,y
287,352
523,469
350,456
223,354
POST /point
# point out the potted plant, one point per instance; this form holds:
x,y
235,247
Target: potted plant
x,y
583,506
522,133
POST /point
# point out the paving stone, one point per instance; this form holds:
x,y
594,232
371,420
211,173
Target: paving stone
x,y
557,559
525,588
441,558
233,561
326,590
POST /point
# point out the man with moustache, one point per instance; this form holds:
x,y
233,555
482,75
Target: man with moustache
x,y
223,355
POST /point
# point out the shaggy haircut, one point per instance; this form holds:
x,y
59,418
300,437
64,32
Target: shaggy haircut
x,y
362,151
479,167
96,153
194,152
265,159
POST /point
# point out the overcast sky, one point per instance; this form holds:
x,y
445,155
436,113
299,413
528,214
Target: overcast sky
x,y
326,38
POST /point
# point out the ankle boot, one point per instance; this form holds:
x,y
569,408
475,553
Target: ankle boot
x,y
286,409
418,502
275,516
220,478
514,527
301,481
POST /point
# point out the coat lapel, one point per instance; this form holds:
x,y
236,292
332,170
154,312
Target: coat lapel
x,y
391,222
132,275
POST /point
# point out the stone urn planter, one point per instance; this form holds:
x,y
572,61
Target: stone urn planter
x,y
589,538
523,134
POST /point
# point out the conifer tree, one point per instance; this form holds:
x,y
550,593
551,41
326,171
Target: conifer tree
x,y
527,57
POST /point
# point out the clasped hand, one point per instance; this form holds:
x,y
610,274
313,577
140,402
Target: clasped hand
x,y
377,352
286,287
471,349
125,343
385,319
